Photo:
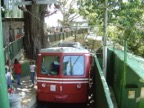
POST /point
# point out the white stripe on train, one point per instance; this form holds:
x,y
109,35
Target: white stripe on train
x,y
62,79
62,82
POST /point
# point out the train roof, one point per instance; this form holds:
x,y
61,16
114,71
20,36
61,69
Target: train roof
x,y
63,50
70,44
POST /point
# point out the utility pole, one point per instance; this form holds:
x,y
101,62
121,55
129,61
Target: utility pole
x,y
4,101
105,40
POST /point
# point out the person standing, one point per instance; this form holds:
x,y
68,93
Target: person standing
x,y
32,72
18,70
8,67
55,65
8,78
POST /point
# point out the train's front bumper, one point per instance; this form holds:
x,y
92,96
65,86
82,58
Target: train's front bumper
x,y
59,98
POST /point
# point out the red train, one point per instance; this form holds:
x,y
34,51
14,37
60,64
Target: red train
x,y
63,74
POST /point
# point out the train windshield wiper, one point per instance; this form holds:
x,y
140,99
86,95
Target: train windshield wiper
x,y
72,65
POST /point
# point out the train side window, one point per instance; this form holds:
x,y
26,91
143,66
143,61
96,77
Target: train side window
x,y
47,63
73,65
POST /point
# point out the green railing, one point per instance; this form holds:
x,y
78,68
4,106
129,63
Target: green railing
x,y
61,36
101,92
13,48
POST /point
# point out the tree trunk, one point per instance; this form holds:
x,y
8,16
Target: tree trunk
x,y
34,31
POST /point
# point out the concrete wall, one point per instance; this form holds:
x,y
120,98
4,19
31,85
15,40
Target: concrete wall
x,y
5,33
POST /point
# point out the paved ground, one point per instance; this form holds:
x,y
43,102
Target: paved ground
x,y
26,92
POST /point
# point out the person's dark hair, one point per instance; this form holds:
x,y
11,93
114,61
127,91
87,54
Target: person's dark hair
x,y
58,58
16,61
32,62
7,62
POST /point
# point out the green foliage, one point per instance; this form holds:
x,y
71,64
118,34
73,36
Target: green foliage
x,y
125,20
90,11
68,11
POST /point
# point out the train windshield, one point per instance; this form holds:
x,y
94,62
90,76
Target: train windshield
x,y
50,65
73,65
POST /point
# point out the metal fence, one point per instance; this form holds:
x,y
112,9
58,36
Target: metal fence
x,y
60,36
13,48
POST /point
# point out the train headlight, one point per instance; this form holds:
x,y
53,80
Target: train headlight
x,y
43,85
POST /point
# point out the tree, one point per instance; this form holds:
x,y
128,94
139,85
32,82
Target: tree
x,y
69,11
34,15
128,19
34,38
33,26
125,17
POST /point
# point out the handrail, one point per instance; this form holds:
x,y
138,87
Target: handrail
x,y
102,89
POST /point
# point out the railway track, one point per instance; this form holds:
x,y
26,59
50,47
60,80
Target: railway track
x,y
58,105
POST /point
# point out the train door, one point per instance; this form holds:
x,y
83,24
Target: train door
x,y
49,78
75,80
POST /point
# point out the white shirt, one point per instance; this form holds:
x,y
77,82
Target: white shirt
x,y
7,67
56,63
32,68
8,74
8,77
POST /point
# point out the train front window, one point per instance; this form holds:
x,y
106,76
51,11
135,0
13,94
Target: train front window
x,y
50,65
73,65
